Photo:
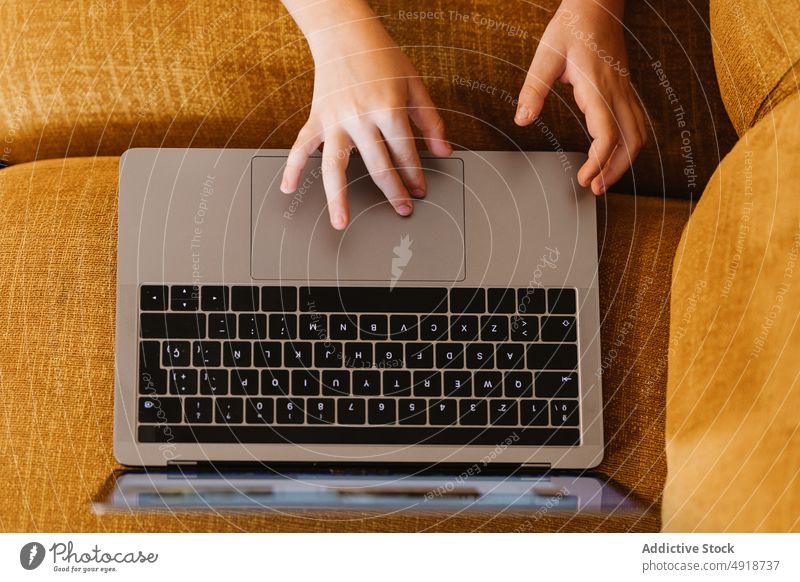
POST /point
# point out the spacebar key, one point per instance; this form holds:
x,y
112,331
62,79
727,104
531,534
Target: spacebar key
x,y
173,325
374,299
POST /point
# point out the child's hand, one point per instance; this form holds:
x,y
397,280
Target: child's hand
x,y
584,46
365,89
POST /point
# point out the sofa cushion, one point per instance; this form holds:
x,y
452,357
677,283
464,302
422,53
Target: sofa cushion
x,y
57,292
86,79
733,430
757,55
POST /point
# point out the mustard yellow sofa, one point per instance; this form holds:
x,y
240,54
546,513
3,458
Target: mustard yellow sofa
x,y
699,291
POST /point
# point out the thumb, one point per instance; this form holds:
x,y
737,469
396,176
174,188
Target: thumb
x,y
547,66
426,117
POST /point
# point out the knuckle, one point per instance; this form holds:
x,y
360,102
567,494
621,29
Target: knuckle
x,y
382,176
330,164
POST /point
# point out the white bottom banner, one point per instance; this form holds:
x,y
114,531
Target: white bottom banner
x,y
414,557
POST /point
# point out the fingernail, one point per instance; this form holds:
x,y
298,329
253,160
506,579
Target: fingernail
x,y
404,209
339,221
284,186
523,113
418,192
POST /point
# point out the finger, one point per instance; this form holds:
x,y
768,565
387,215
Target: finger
x,y
426,117
307,142
335,156
603,128
376,158
547,66
401,145
628,148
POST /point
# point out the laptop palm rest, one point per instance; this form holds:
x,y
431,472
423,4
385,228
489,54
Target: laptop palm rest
x,y
292,237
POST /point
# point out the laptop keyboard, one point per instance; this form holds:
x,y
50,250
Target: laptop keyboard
x,y
271,364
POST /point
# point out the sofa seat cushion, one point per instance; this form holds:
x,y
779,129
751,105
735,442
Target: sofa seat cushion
x,y
58,232
733,429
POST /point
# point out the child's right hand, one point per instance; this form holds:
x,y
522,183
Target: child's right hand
x,y
365,89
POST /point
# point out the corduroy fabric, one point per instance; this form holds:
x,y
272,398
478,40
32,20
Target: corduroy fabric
x,y
757,55
81,78
733,430
57,296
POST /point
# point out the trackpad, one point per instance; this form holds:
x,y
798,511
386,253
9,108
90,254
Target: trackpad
x,y
292,237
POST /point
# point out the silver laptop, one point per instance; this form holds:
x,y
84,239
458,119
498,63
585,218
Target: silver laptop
x,y
249,330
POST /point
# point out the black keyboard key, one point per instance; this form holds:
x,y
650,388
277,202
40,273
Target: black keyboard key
x,y
173,325
198,410
458,384
222,326
328,354
321,410
552,357
152,382
556,385
373,327
214,298
236,354
531,300
373,299
177,354
382,411
278,298
559,329
503,412
259,410
182,381
501,300
275,382
419,356
184,298
434,328
244,382
467,300
298,354
358,355
267,354
427,383
396,383
206,354
562,301
534,413
524,328
473,412
366,383
411,411
389,355
391,435
464,328
480,356
290,411
443,412
518,385
149,355
351,411
336,383
253,326
488,383
403,327
228,410
449,355
244,298
153,298
282,326
313,326
564,412
159,410
305,383
343,327
510,356
494,328
214,382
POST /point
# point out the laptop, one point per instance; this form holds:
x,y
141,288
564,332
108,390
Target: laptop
x,y
248,330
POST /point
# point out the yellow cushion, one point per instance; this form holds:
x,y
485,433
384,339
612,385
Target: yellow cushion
x,y
85,79
733,430
757,55
57,291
